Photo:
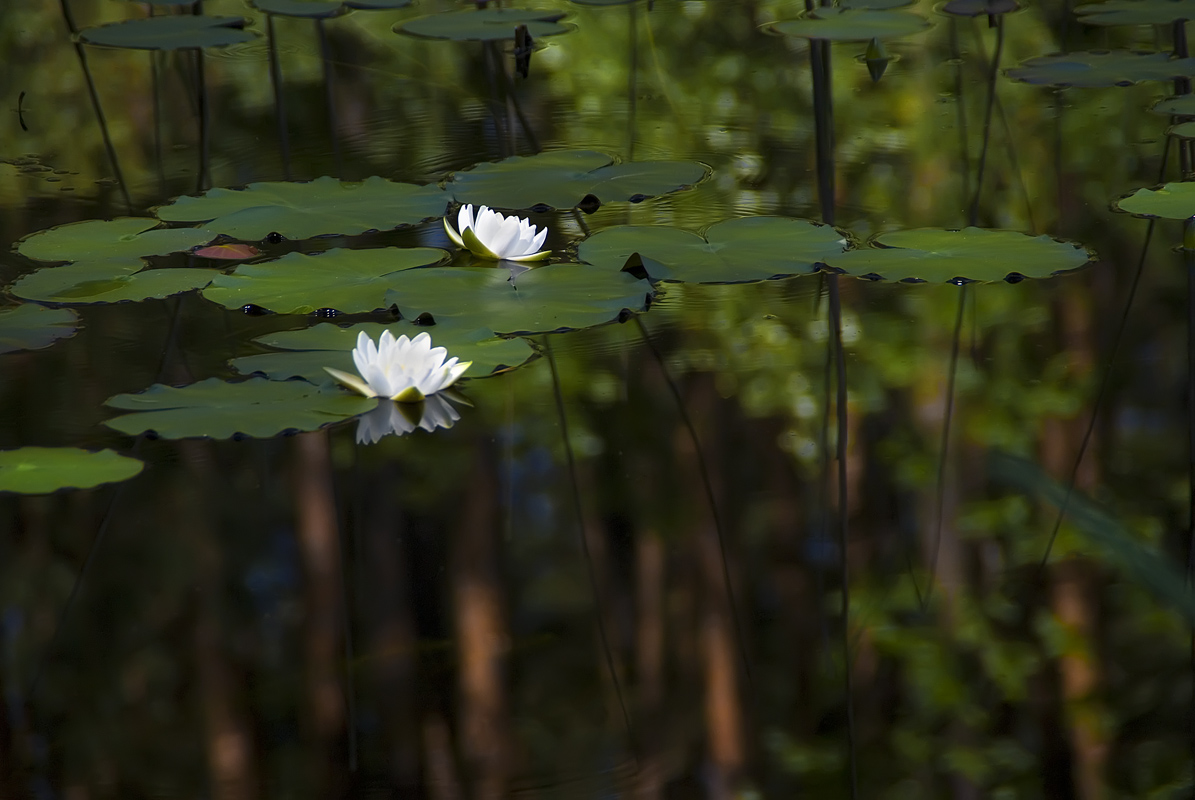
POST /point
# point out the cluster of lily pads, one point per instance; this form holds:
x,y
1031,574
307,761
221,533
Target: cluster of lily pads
x,y
469,310
445,308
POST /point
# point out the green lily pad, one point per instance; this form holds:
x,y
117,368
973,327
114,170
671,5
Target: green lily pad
x,y
218,409
123,237
329,345
377,5
115,281
169,32
978,8
307,9
1101,68
562,179
32,327
484,25
1183,130
322,207
936,255
41,470
1136,12
851,24
1172,201
1181,106
734,251
544,299
351,281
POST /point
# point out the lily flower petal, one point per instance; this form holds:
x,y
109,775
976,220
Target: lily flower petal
x,y
402,369
490,235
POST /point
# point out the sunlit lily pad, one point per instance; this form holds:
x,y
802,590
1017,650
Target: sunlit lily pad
x,y
734,251
309,350
1172,201
32,327
1181,106
1136,12
308,9
169,32
351,281
115,281
562,179
851,24
221,410
124,237
41,470
484,25
1100,68
936,255
321,207
555,297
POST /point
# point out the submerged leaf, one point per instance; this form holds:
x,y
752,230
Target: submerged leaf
x,y
1100,68
544,299
41,470
218,409
484,25
938,255
350,281
1110,540
123,237
321,207
563,178
326,345
733,251
32,327
169,32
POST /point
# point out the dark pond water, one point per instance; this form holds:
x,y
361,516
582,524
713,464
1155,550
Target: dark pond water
x,y
621,572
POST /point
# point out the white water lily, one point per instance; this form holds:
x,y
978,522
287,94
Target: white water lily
x,y
493,236
400,419
406,370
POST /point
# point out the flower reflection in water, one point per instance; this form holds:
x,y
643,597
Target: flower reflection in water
x,y
401,418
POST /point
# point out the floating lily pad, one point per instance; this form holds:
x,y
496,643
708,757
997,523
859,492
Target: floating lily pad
x,y
1101,68
32,327
218,409
1136,12
307,9
351,281
108,282
551,298
1172,201
979,8
124,237
228,252
1181,106
484,25
936,255
321,207
329,345
851,24
169,32
734,251
875,5
377,5
562,179
1183,130
41,470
